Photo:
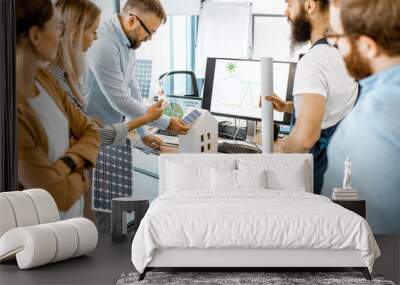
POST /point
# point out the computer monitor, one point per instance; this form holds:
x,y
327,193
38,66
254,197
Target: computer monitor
x,y
232,88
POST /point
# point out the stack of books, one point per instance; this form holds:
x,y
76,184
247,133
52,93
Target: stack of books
x,y
344,194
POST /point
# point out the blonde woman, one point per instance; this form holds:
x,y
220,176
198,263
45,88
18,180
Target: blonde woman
x,y
82,19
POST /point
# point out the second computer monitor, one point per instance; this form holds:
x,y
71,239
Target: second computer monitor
x,y
232,88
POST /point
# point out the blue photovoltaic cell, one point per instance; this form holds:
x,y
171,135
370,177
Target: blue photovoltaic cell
x,y
143,69
112,177
191,117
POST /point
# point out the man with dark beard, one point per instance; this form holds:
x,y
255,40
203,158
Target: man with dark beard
x,y
323,91
367,33
111,87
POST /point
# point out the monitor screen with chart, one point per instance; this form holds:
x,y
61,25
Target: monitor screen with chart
x,y
233,88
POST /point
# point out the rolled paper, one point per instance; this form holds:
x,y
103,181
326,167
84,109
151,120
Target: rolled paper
x,y
267,118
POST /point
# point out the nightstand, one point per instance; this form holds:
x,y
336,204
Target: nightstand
x,y
119,209
356,206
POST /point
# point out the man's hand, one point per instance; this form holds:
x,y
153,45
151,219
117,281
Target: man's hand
x,y
155,111
178,126
152,141
278,103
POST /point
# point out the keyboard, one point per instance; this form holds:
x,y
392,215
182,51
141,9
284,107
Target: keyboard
x,y
225,147
166,133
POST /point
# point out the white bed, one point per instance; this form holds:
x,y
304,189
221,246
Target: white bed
x,y
202,220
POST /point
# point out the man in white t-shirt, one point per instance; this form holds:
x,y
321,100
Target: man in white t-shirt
x,y
323,91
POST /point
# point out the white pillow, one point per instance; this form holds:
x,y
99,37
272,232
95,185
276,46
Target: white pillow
x,y
290,179
223,179
236,179
251,179
282,174
187,175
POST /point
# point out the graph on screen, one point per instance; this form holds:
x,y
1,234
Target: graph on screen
x,y
237,87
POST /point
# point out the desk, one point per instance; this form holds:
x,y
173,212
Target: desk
x,y
102,266
145,166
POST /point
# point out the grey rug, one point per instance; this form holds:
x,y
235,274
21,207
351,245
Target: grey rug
x,y
244,278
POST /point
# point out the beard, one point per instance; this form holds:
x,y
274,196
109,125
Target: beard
x,y
357,66
135,44
133,39
301,29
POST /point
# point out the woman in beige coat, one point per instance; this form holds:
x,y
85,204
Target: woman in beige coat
x,y
55,141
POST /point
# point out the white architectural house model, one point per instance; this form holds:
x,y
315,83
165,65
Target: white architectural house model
x,y
202,136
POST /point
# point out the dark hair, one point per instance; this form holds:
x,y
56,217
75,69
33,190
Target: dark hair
x,y
34,13
324,5
147,6
378,20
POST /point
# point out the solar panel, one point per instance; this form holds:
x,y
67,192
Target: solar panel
x,y
113,176
143,70
191,117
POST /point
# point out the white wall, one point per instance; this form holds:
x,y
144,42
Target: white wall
x,y
272,34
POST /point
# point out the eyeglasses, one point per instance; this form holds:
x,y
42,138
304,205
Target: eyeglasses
x,y
333,37
150,34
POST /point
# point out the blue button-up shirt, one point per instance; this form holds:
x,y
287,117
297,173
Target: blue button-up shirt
x,y
111,87
370,136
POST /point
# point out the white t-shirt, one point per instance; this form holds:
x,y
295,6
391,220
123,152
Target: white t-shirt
x,y
54,123
322,71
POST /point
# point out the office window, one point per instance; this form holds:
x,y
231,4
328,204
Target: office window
x,y
182,37
172,48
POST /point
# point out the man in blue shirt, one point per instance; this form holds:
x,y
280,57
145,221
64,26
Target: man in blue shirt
x,y
367,33
114,91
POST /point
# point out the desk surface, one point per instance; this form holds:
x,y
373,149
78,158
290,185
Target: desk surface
x,y
103,266
167,149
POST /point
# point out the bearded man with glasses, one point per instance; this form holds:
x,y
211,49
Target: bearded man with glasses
x,y
111,87
367,34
